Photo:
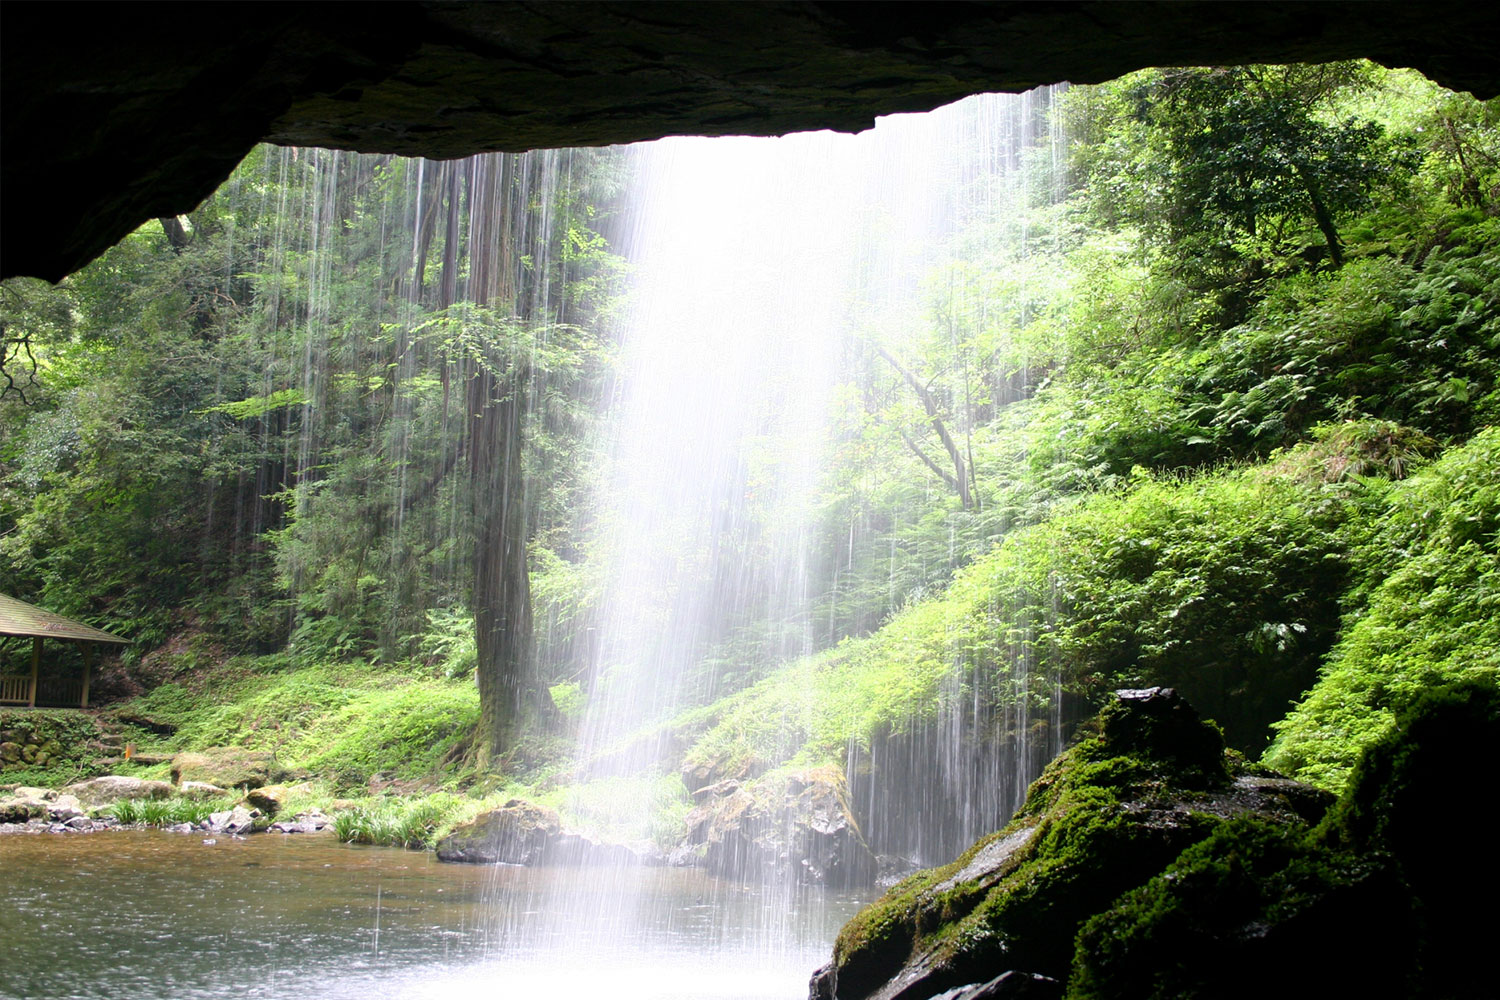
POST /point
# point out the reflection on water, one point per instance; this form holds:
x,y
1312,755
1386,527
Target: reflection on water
x,y
149,914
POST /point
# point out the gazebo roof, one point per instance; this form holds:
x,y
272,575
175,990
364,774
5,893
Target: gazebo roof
x,y
20,618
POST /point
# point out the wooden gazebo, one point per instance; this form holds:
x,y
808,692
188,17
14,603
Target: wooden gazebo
x,y
17,618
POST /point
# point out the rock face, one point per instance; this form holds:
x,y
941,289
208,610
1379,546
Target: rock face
x,y
238,820
24,804
228,767
793,823
114,787
199,790
1102,819
123,118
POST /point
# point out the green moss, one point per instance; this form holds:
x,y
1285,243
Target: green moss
x,y
1104,816
1237,914
68,738
1392,870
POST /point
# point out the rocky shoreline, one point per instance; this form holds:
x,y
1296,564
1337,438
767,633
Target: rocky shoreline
x,y
93,805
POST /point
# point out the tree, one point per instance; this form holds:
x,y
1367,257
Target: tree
x,y
1254,153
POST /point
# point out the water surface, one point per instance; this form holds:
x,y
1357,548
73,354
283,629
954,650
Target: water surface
x,y
147,914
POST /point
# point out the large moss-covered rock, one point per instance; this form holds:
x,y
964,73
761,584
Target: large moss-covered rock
x,y
1235,915
1275,893
1378,900
110,788
1104,817
24,803
229,767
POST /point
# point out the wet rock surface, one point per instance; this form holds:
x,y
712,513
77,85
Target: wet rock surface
x,y
794,825
1142,866
125,118
1103,818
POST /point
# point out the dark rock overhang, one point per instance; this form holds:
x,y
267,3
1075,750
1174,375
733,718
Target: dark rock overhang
x,y
115,114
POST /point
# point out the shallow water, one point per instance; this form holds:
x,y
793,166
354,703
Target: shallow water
x,y
148,914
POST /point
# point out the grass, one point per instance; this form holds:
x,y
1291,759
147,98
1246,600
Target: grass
x,y
169,811
344,722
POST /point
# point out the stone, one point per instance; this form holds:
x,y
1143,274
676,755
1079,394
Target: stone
x,y
238,820
64,808
10,751
23,805
794,824
32,792
1103,819
199,790
229,767
110,788
519,833
1011,985
311,821
270,799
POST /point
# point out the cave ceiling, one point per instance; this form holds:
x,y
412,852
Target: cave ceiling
x,y
111,115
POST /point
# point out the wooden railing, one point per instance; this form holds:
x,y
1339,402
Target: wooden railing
x,y
59,692
15,689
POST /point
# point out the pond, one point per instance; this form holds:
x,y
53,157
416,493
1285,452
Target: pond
x,y
146,914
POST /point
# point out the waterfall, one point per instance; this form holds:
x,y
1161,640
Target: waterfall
x,y
427,339
764,271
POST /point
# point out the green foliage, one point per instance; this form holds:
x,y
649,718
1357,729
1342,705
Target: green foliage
x,y
1226,586
411,824
448,644
1430,618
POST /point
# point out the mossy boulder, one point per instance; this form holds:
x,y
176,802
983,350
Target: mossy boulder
x,y
24,804
1234,915
1377,900
269,799
111,788
229,767
1104,817
1276,893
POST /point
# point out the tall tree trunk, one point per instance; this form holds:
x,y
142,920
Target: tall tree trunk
x,y
502,589
496,398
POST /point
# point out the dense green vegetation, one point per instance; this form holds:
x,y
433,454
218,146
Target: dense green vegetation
x,y
1200,398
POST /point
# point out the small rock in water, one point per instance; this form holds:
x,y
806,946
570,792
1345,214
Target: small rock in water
x,y
209,841
180,828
